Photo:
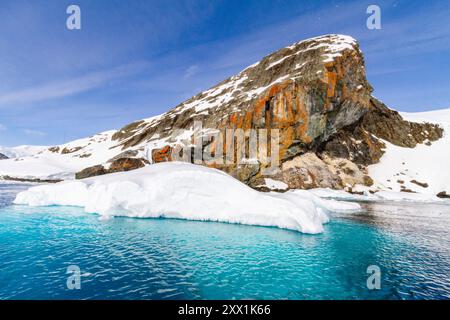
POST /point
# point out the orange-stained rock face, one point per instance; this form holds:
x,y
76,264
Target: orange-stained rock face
x,y
126,164
314,92
297,87
162,155
307,109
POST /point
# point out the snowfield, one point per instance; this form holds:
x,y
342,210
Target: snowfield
x,y
187,191
21,151
39,162
424,164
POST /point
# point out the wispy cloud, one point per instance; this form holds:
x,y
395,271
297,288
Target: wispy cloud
x,y
35,133
69,87
191,71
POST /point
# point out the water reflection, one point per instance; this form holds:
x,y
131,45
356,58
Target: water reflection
x,y
423,224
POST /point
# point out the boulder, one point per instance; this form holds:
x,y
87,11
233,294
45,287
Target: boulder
x,y
93,171
309,171
125,164
443,195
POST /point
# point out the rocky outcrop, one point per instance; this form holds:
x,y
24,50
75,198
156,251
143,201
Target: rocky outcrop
x,y
70,150
420,184
116,165
308,91
54,149
314,92
125,164
443,195
387,124
3,157
93,171
31,180
162,154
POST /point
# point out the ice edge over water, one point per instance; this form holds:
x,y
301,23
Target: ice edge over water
x,y
187,191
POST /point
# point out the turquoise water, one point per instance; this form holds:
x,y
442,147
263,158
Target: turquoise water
x,y
126,258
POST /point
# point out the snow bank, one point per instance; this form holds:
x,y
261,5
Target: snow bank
x,y
184,191
329,205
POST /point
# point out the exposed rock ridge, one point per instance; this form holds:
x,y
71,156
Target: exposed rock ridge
x,y
315,92
307,72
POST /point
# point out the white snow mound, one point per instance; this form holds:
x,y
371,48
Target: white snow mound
x,y
186,191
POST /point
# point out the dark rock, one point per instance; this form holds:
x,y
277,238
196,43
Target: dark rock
x,y
350,190
368,181
33,180
86,155
53,149
125,164
97,170
118,165
3,157
387,124
70,150
443,195
422,184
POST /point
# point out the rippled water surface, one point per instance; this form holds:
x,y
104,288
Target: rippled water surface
x,y
126,258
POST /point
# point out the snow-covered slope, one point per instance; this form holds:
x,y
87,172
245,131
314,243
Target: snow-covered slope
x,y
186,191
60,162
21,151
425,164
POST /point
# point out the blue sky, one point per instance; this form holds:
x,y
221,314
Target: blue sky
x,y
134,59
